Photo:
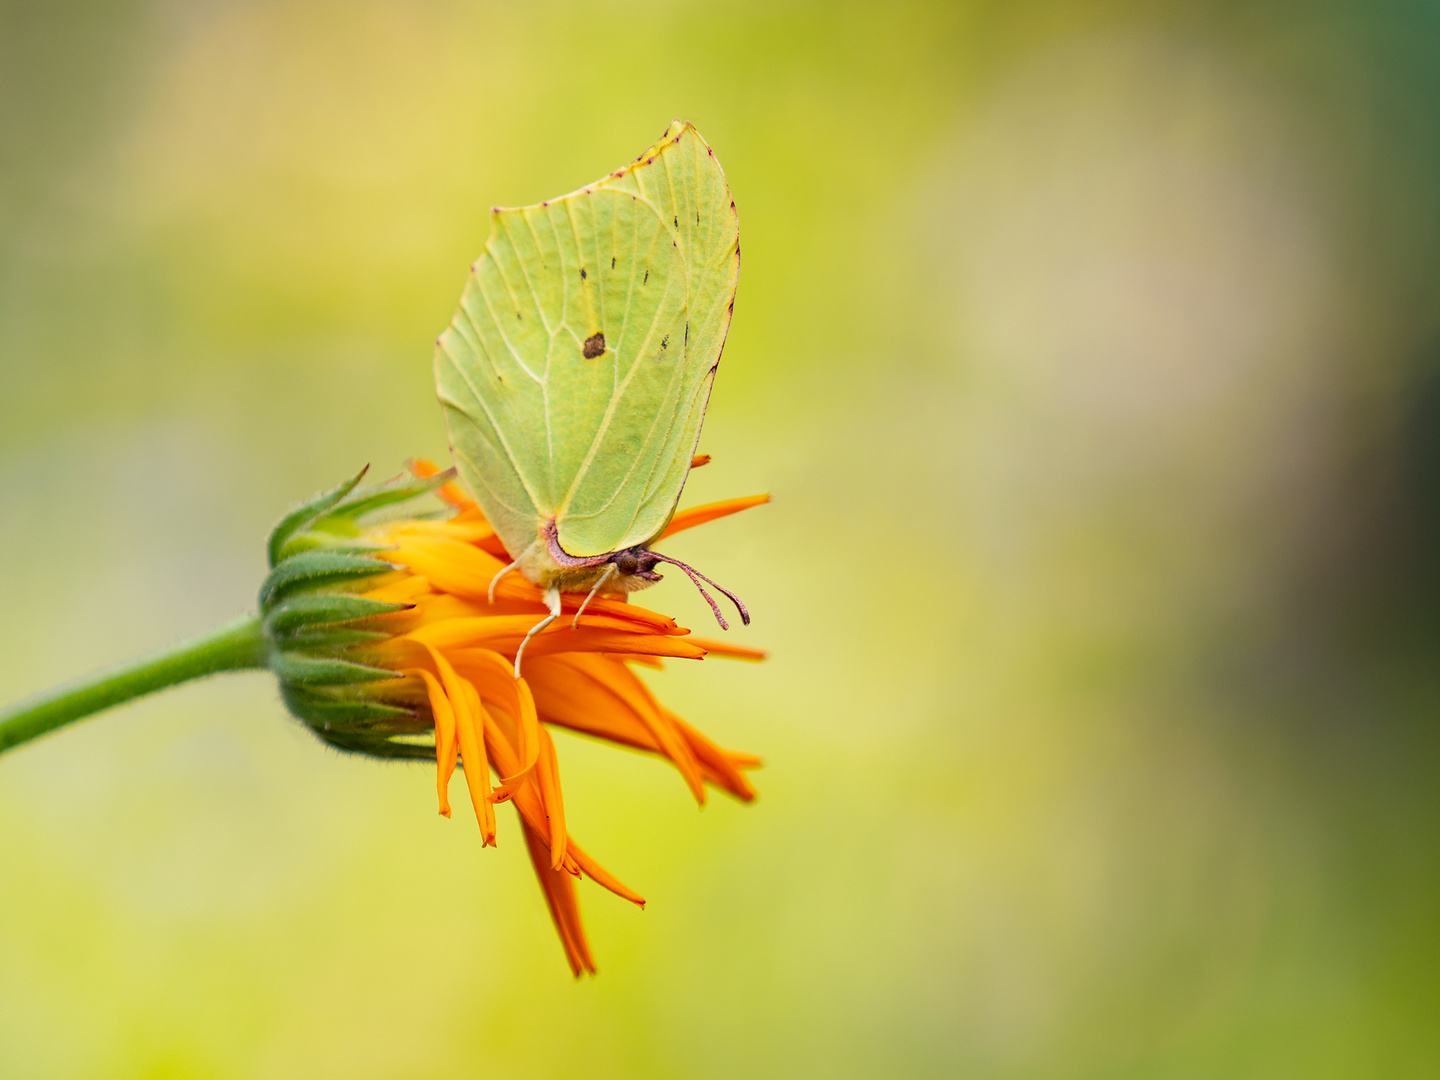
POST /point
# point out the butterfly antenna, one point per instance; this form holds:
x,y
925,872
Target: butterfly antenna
x,y
697,577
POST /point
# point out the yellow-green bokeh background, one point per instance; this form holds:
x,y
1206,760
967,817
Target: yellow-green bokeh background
x,y
1088,351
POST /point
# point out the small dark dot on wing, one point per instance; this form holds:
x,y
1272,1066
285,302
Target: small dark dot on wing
x,y
582,273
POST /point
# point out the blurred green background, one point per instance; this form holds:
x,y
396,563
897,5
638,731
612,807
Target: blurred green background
x,y
1091,352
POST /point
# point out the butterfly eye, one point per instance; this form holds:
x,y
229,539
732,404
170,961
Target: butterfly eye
x,y
627,563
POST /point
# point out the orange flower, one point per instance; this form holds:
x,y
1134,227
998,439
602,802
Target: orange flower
x,y
386,642
456,652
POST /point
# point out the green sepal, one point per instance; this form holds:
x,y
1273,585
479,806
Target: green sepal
x,y
294,667
314,570
388,496
373,745
316,538
324,609
307,513
321,707
323,637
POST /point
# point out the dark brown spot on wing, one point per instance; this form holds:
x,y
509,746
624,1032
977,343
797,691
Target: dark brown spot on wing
x,y
594,346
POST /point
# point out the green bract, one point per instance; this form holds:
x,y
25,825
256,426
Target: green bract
x,y
314,623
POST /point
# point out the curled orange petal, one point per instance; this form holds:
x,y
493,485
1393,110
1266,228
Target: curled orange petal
x,y
699,515
468,726
451,492
445,745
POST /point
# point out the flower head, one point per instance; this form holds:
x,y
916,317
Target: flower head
x,y
387,642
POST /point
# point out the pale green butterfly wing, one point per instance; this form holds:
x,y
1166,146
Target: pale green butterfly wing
x,y
649,258
681,178
522,401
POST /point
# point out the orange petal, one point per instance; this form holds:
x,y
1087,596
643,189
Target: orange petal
x,y
498,674
527,796
503,633
468,725
451,492
403,590
652,662
445,746
467,531
699,515
724,648
722,767
559,890
617,679
699,459
449,565
566,696
603,877
547,774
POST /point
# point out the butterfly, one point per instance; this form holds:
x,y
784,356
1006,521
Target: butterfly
x,y
576,371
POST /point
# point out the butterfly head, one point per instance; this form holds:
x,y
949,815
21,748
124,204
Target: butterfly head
x,y
549,565
636,562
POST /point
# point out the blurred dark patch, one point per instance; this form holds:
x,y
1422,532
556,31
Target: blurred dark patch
x,y
1388,577
1420,446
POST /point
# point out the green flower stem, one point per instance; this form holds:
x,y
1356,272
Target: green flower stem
x,y
236,646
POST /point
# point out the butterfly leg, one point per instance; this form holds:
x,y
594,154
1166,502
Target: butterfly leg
x,y
575,625
552,601
496,579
